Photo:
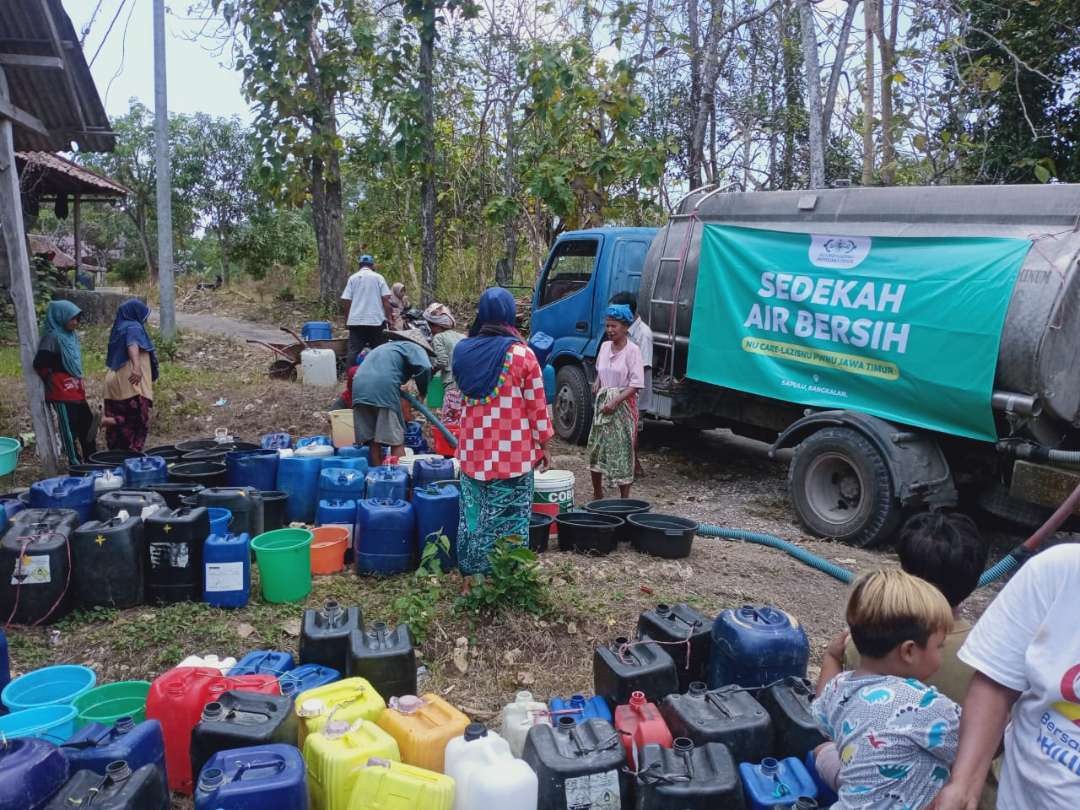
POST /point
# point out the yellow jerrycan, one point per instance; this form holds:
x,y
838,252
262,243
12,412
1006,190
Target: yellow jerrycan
x,y
336,754
386,785
422,727
349,700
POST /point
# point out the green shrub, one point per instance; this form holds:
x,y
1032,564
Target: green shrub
x,y
515,583
130,270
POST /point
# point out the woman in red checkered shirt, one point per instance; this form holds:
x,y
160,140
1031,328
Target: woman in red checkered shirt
x,y
503,434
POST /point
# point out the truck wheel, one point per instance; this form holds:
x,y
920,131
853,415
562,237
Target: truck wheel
x,y
573,405
841,487
997,502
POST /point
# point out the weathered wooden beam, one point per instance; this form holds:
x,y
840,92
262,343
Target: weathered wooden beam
x,y
22,117
1043,484
58,49
13,233
23,60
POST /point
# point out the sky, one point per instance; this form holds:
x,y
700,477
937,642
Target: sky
x,y
198,81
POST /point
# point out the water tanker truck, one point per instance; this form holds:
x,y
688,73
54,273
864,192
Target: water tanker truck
x,y
914,346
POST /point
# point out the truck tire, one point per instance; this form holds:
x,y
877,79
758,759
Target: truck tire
x,y
841,488
996,502
572,408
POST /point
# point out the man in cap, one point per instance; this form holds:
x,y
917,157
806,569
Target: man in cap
x,y
376,392
365,306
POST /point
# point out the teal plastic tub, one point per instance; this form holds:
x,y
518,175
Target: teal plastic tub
x,y
59,684
9,454
53,723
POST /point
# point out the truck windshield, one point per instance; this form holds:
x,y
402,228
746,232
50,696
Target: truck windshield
x,y
571,267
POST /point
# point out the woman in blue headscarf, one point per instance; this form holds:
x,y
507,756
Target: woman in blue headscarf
x,y
132,368
503,433
59,364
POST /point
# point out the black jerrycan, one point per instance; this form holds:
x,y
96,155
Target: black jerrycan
x,y
119,789
730,716
240,719
35,556
624,667
688,777
788,704
385,657
108,558
174,546
687,637
324,636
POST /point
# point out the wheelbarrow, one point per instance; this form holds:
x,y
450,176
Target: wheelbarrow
x,y
339,346
283,368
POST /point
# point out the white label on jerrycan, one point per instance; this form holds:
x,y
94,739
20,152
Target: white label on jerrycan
x,y
598,791
32,570
225,576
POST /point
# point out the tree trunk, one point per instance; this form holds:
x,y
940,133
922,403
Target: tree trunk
x,y
813,93
791,98
870,19
144,242
329,230
887,43
223,247
428,255
837,68
505,269
693,150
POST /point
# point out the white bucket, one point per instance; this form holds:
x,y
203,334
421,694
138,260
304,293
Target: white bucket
x,y
342,430
553,494
319,367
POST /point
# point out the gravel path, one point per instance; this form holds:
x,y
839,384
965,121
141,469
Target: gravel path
x,y
226,327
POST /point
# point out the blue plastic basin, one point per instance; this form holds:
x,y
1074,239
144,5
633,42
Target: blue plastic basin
x,y
59,684
52,723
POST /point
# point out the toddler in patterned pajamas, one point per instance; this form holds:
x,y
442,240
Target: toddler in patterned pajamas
x,y
896,736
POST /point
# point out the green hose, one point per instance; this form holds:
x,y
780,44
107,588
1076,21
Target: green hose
x,y
420,406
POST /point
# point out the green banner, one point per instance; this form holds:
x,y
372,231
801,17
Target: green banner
x,y
905,328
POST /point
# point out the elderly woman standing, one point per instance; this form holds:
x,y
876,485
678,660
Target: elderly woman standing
x,y
444,340
620,375
132,369
504,430
59,364
399,302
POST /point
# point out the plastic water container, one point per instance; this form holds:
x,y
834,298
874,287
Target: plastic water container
x,y
430,471
275,503
639,723
319,451
5,667
349,700
53,723
252,468
107,481
352,451
107,560
176,700
387,482
275,441
35,565
341,484
245,504
324,634
58,684
486,774
337,512
422,728
335,755
437,508
541,343
774,783
95,745
385,657
553,494
34,770
340,462
109,702
221,664
299,477
672,624
385,537
579,765
729,716
319,367
133,501
265,776
284,559
624,667
306,677
121,787
65,492
174,542
414,438
227,570
788,704
521,715
754,646
237,719
694,777
580,708
264,662
386,785
141,472
316,330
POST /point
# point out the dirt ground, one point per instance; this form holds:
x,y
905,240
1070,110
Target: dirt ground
x,y
711,477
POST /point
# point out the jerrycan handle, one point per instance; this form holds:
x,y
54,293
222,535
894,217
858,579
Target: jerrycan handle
x,y
278,764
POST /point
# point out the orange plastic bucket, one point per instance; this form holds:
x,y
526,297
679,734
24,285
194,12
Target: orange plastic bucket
x,y
328,545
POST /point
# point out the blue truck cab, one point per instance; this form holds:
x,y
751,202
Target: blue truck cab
x,y
582,273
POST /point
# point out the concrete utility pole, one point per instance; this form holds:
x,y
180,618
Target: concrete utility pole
x,y
166,282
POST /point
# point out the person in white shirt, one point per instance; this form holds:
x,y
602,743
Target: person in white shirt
x,y
641,336
1025,651
365,306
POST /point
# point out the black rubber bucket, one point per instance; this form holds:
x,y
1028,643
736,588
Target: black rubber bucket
x,y
662,535
274,503
114,458
539,531
175,492
619,507
588,533
207,473
191,445
166,451
89,467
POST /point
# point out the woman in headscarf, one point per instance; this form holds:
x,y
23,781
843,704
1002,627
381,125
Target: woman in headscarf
x,y
504,430
620,374
59,364
132,369
399,302
444,339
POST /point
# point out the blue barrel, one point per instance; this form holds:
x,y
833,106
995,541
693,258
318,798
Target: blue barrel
x,y
227,570
429,470
353,452
141,472
339,483
437,507
387,483
414,438
755,646
316,330
64,492
385,536
345,463
336,513
275,441
299,477
252,468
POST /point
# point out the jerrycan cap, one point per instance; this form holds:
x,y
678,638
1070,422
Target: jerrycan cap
x,y
475,731
124,724
682,744
377,762
663,610
213,711
577,701
762,616
770,766
336,728
805,803
697,688
637,699
312,707
406,704
566,722
118,771
211,779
